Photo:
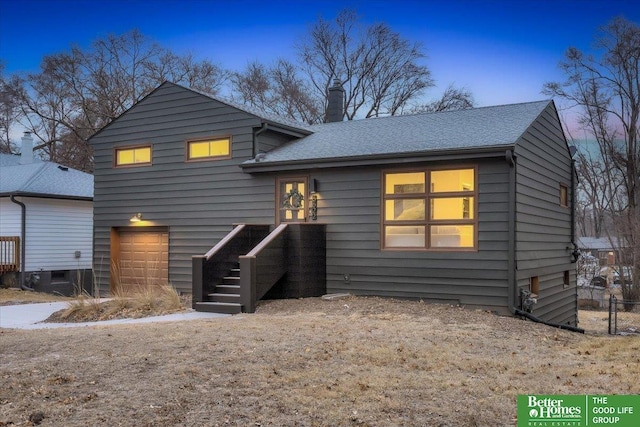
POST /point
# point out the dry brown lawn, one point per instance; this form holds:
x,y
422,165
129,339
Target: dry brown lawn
x,y
349,362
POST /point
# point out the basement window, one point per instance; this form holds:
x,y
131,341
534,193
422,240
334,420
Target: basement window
x,y
534,285
209,149
133,156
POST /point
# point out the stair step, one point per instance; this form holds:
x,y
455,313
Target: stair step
x,y
219,307
230,280
224,297
227,289
234,272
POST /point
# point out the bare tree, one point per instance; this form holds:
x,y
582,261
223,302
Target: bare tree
x,y
379,70
10,110
606,89
278,89
452,99
80,91
599,183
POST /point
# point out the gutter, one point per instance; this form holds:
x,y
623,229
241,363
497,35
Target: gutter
x,y
23,243
374,159
47,196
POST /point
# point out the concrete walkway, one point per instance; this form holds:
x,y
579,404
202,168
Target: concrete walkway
x,y
29,316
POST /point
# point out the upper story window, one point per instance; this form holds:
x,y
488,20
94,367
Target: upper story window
x,y
133,156
430,209
208,149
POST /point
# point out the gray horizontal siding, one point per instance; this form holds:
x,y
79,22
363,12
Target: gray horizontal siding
x,y
349,202
197,201
543,227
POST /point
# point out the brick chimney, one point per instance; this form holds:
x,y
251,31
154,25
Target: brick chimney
x,y
26,152
335,105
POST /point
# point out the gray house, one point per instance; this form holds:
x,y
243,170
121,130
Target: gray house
x,y
469,207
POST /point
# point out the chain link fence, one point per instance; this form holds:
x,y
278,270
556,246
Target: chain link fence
x,y
624,317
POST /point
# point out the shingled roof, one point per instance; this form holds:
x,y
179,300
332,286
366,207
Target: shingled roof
x,y
43,179
473,129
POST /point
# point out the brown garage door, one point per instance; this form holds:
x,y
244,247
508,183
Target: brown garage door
x,y
141,259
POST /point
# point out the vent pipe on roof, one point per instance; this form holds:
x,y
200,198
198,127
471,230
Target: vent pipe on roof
x,y
26,153
335,104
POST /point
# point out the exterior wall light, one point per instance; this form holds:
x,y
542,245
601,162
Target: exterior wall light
x,y
136,218
313,190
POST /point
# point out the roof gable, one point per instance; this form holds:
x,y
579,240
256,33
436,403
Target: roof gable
x,y
42,178
473,129
278,121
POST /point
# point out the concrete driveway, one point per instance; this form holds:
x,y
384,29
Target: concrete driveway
x,y
30,316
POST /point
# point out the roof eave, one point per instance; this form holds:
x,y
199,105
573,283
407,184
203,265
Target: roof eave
x,y
288,130
378,159
45,196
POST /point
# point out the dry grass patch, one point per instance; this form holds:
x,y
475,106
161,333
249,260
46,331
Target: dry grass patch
x,y
352,362
142,302
11,296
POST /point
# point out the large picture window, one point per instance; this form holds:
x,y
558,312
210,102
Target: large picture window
x,y
430,209
133,156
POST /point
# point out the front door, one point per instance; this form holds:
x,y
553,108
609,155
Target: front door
x,y
291,199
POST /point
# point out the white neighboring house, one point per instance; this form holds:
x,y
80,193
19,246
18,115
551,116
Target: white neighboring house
x,y
46,223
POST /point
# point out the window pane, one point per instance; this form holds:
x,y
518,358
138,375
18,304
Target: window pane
x,y
219,147
292,204
404,237
142,155
404,210
125,157
452,208
402,183
452,180
452,236
198,150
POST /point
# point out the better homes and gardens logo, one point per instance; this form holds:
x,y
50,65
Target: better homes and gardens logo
x,y
578,410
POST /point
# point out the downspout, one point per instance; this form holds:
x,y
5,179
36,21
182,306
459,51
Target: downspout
x,y
23,243
575,253
511,256
555,325
256,133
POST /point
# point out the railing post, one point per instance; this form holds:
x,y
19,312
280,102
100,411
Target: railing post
x,y
613,306
197,274
248,283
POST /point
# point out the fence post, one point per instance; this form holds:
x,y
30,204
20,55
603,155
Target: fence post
x,y
613,309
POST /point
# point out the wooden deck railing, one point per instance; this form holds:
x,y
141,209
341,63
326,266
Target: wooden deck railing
x,y
9,254
210,268
261,268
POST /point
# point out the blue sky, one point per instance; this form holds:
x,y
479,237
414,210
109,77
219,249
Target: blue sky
x,y
503,51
